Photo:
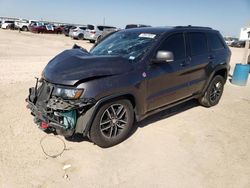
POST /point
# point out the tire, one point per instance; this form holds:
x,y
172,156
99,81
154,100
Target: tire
x,y
80,36
91,41
24,28
109,128
214,92
98,39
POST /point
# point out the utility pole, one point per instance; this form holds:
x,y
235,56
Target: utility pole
x,y
103,21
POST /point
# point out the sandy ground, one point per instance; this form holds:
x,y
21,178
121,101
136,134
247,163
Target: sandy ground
x,y
188,146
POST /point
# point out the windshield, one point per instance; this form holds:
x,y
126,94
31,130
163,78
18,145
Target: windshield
x,y
130,45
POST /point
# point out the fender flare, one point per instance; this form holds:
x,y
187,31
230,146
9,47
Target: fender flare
x,y
84,122
215,69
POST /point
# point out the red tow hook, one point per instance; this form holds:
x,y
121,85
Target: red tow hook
x,y
44,125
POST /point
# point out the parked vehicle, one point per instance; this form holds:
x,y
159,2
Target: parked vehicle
x,y
77,32
23,24
230,40
66,30
130,26
239,44
94,31
110,31
39,27
7,24
129,76
106,32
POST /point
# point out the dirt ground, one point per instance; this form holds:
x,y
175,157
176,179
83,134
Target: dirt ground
x,y
187,146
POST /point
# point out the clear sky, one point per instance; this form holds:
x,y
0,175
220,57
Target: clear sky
x,y
228,16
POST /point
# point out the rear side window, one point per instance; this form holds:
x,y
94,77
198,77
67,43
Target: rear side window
x,y
100,28
215,42
83,28
176,45
91,27
198,43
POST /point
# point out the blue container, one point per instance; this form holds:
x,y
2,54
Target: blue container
x,y
240,75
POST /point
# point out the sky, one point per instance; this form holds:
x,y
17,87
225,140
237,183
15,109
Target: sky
x,y
227,16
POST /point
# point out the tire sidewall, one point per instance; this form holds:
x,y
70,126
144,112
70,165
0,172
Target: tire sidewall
x,y
95,133
215,80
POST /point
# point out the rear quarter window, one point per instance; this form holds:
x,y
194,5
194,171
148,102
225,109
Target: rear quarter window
x,y
90,27
198,43
215,42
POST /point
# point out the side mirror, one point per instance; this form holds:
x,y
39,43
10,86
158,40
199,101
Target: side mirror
x,y
164,56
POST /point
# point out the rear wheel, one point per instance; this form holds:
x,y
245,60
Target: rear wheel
x,y
80,36
112,123
98,39
24,28
214,92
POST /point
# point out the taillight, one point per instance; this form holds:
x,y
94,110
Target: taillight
x,y
92,32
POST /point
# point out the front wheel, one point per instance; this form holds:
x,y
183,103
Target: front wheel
x,y
214,92
112,123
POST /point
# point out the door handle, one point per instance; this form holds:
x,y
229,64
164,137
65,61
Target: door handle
x,y
184,63
211,57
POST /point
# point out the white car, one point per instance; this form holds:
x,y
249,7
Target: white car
x,y
93,32
77,32
22,24
6,24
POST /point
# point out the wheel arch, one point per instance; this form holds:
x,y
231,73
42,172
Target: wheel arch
x,y
219,70
85,121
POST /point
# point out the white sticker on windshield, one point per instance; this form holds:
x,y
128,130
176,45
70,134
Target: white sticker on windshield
x,y
147,35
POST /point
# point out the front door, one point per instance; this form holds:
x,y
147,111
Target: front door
x,y
168,82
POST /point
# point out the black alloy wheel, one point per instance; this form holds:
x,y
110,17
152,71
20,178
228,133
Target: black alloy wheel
x,y
112,123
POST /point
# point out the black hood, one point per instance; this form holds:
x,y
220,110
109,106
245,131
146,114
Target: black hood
x,y
75,65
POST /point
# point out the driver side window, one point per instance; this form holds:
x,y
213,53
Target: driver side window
x,y
175,44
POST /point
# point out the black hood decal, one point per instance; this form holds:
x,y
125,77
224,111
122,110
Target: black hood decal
x,y
72,66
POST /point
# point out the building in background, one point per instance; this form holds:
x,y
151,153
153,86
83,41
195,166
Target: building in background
x,y
244,33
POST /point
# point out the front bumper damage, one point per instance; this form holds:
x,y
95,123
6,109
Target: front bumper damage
x,y
54,113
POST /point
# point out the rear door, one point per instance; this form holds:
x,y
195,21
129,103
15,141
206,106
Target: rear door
x,y
199,60
168,82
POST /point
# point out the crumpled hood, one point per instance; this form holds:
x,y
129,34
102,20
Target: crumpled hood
x,y
75,65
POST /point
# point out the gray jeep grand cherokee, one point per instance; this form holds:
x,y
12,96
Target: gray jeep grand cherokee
x,y
128,76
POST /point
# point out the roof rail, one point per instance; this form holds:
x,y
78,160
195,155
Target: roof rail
x,y
190,26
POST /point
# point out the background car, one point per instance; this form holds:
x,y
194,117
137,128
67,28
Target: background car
x,y
45,28
77,32
66,30
8,24
230,40
109,31
94,31
106,32
22,24
130,26
239,44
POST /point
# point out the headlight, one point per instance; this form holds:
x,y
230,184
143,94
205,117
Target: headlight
x,y
66,93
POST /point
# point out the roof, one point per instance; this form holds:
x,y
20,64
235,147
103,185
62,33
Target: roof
x,y
160,30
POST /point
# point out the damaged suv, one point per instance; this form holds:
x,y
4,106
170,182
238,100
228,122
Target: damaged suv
x,y
128,76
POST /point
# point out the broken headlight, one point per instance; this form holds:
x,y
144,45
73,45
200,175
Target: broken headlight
x,y
67,93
